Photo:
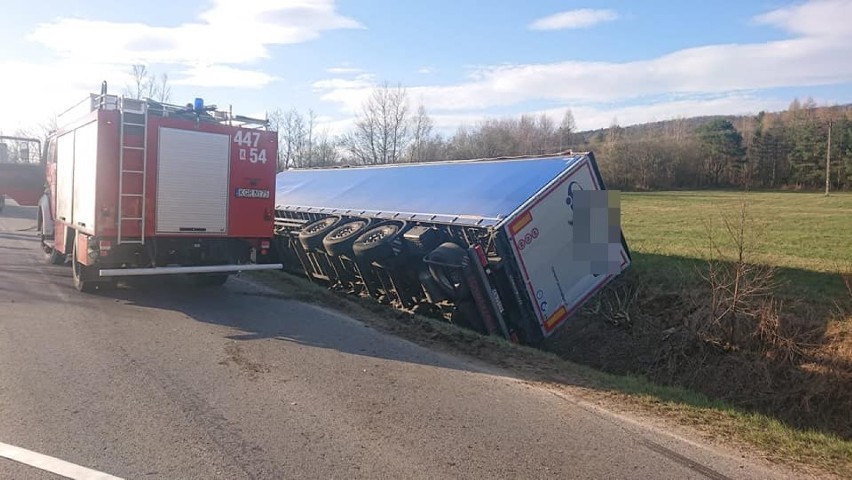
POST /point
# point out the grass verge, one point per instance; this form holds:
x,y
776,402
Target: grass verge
x,y
717,421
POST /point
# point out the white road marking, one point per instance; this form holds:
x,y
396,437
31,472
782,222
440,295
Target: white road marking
x,y
51,464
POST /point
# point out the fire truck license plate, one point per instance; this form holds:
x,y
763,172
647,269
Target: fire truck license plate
x,y
252,193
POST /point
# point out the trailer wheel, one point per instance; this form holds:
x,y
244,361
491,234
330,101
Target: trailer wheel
x,y
445,267
339,241
377,243
312,234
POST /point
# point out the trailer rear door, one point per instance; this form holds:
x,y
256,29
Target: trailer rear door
x,y
561,265
192,182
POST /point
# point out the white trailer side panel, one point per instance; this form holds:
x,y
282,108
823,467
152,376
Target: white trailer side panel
x,y
557,268
65,177
85,176
192,182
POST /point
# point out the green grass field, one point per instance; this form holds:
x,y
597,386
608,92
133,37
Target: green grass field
x,y
806,235
796,230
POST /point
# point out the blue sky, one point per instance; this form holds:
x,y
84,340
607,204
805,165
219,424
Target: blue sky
x,y
629,61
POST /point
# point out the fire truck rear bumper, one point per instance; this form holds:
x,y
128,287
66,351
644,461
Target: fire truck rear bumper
x,y
135,272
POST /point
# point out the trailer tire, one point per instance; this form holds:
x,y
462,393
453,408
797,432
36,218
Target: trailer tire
x,y
445,267
339,241
311,235
376,244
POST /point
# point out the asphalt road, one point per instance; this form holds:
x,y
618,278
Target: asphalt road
x,y
170,381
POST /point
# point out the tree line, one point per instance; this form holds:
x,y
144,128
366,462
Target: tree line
x,y
388,130
780,150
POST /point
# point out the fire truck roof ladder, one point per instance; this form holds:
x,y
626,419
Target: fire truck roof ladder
x,y
134,118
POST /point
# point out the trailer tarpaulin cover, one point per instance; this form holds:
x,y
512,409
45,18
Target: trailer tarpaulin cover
x,y
477,192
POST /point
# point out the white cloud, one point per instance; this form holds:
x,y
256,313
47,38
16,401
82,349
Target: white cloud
x,y
574,19
231,32
35,93
222,76
350,93
812,57
590,117
817,18
343,70
425,70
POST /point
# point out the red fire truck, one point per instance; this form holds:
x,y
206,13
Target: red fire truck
x,y
137,187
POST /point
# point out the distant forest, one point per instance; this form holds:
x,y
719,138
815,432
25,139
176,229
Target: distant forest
x,y
770,150
780,150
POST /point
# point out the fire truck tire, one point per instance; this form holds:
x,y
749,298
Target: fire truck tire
x,y
82,276
79,272
377,243
312,234
51,256
339,240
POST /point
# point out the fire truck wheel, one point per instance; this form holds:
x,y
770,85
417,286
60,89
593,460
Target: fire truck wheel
x,y
311,235
51,256
339,241
80,273
377,243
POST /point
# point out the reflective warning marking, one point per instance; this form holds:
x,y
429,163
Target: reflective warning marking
x,y
51,464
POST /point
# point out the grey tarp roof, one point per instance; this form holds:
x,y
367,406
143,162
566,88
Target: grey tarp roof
x,y
480,192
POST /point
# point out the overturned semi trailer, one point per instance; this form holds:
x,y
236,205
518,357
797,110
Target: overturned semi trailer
x,y
510,247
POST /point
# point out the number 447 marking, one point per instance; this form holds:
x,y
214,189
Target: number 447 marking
x,y
248,139
245,138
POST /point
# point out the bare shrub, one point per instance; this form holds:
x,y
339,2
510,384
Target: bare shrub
x,y
617,303
740,309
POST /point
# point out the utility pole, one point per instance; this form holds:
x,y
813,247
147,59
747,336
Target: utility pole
x,y
828,161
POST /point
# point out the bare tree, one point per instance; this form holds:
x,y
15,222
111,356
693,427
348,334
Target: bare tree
x,y
164,90
566,129
141,81
421,135
382,129
298,144
324,150
276,120
147,85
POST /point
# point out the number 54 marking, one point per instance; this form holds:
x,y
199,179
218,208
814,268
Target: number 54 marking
x,y
249,139
254,155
